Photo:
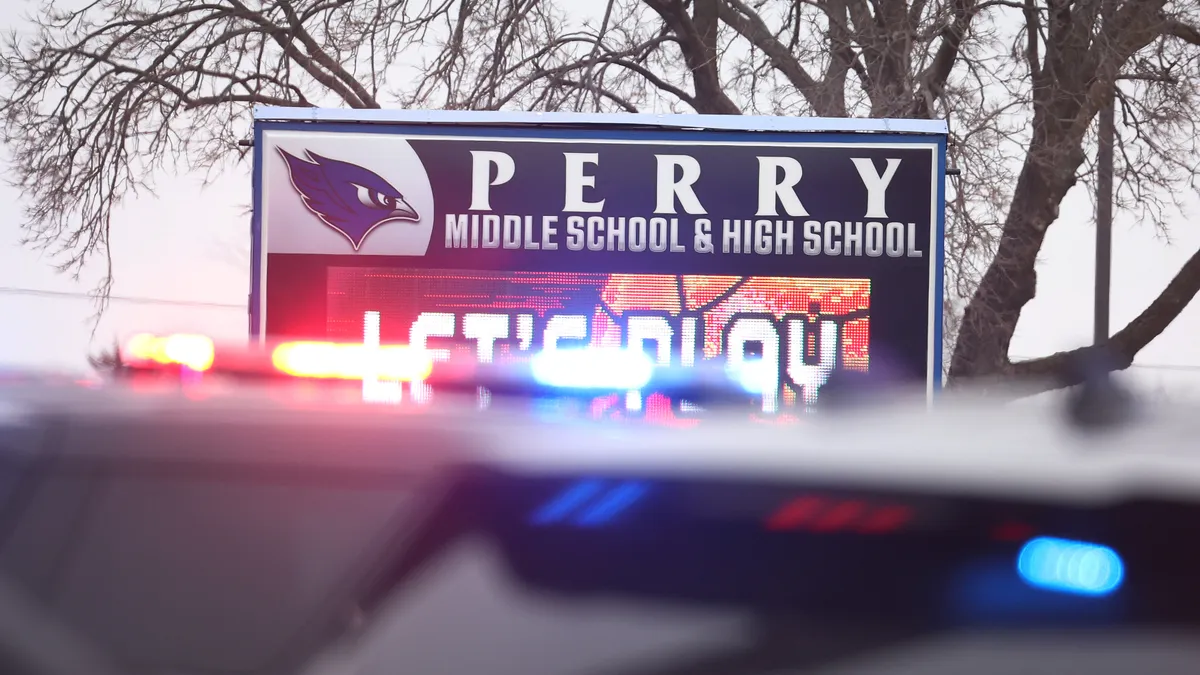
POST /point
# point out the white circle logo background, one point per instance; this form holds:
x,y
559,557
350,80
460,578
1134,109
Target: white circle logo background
x,y
290,227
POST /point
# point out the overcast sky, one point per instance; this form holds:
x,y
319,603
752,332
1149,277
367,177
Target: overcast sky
x,y
190,243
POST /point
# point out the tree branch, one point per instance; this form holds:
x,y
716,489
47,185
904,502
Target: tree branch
x,y
701,61
585,85
740,17
1053,370
933,80
1183,31
842,57
1033,30
652,79
312,63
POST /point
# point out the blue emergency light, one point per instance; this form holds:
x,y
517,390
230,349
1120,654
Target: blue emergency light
x,y
1066,566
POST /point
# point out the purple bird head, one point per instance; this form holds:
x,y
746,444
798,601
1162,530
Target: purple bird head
x,y
347,197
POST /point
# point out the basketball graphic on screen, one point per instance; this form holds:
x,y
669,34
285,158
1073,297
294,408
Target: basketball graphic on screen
x,y
718,300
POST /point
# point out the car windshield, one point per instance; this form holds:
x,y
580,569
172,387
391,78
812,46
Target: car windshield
x,y
466,614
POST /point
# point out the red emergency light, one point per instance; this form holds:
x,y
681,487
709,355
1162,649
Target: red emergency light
x,y
819,513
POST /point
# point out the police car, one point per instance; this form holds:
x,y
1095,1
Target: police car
x,y
162,525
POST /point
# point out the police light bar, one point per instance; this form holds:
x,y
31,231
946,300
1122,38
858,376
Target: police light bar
x,y
595,371
296,359
556,374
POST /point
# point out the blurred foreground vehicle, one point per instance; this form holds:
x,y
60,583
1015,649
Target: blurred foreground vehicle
x,y
150,527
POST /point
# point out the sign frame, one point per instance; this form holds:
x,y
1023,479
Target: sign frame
x,y
583,126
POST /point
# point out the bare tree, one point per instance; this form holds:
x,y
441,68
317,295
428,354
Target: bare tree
x,y
107,362
94,101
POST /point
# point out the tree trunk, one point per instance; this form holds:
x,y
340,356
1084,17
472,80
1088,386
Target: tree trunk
x,y
1010,282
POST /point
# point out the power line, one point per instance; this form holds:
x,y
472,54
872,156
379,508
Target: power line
x,y
1142,366
138,300
133,300
1166,366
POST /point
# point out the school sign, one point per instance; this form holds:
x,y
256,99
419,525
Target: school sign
x,y
809,244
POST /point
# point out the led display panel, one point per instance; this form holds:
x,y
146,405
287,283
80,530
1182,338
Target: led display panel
x,y
801,253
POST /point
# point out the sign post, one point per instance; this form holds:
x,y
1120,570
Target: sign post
x,y
803,245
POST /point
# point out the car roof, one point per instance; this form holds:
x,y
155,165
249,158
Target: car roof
x,y
245,424
963,445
